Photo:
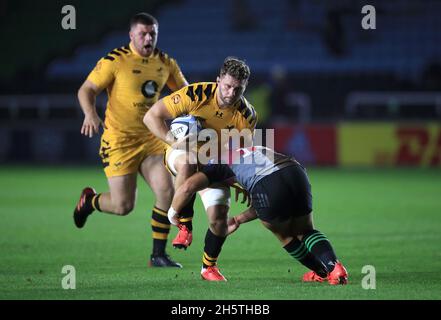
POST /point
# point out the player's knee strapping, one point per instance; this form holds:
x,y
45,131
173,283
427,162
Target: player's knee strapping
x,y
298,251
160,229
318,244
212,248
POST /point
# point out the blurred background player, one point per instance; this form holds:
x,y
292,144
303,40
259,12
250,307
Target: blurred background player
x,y
133,76
281,198
219,105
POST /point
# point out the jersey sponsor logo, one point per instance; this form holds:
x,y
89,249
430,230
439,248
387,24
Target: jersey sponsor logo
x,y
135,71
219,114
140,104
149,88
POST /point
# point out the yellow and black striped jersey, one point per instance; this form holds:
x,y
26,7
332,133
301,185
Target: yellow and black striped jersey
x,y
199,99
133,84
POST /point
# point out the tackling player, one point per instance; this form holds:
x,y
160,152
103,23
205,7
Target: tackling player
x,y
281,198
220,106
134,76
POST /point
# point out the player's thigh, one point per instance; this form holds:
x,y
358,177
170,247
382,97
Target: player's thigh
x,y
294,227
123,190
156,175
280,230
301,225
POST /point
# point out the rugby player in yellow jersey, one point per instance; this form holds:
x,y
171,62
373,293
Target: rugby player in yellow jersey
x,y
219,105
133,76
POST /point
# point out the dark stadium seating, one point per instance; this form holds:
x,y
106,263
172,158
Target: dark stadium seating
x,y
291,35
32,30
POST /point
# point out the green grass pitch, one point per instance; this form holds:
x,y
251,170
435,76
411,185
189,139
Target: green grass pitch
x,y
390,219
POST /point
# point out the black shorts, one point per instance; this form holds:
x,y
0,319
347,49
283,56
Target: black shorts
x,y
283,194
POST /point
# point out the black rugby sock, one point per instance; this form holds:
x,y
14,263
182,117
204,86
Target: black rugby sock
x,y
186,214
298,251
212,249
317,243
160,231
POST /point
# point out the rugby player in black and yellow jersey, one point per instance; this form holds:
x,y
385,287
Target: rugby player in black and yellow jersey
x,y
220,106
133,76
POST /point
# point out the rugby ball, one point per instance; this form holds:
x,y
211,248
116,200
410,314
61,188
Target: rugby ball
x,y
185,125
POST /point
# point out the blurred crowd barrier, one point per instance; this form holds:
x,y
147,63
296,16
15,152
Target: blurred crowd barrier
x,y
355,144
374,131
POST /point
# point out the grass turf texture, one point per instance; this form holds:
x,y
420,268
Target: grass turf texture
x,y
386,218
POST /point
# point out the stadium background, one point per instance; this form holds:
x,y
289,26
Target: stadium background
x,y
361,108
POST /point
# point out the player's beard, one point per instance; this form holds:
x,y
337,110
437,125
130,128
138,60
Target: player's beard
x,y
227,101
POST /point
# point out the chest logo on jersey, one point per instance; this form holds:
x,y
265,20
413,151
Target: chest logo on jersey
x,y
149,88
219,114
135,71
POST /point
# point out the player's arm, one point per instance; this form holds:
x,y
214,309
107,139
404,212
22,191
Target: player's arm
x,y
87,98
169,107
173,85
185,192
101,77
176,80
246,216
155,119
208,175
